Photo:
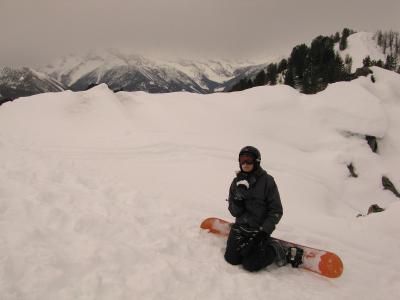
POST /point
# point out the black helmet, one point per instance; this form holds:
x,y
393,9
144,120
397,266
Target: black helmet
x,y
253,152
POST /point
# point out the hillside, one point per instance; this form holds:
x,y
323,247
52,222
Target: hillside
x,y
361,45
102,194
310,68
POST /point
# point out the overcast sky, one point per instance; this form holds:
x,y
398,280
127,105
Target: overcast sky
x,y
33,32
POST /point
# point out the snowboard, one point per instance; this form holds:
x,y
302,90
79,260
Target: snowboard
x,y
323,262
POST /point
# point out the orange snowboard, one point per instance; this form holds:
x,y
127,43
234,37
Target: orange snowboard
x,y
319,261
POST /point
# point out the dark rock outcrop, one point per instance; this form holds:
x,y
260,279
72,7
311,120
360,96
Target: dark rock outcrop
x,y
352,170
372,142
388,185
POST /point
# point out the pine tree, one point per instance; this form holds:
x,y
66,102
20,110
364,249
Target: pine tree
x,y
367,61
240,86
348,63
289,76
391,40
282,66
312,82
306,85
339,69
336,37
260,79
322,62
272,73
391,62
298,63
346,32
379,63
384,43
343,41
379,38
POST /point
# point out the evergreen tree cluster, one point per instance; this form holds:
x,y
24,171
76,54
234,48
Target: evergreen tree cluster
x,y
311,69
242,85
391,63
342,39
308,69
389,41
263,77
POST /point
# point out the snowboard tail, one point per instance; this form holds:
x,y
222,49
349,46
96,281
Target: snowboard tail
x,y
323,262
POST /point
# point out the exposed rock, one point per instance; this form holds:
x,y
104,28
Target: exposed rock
x,y
388,185
352,170
372,142
374,208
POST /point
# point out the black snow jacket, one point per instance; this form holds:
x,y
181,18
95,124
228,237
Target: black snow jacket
x,y
254,200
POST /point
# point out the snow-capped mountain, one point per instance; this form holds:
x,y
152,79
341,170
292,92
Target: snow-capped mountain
x,y
131,72
21,82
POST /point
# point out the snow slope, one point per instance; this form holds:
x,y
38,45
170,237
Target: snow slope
x,y
102,194
361,45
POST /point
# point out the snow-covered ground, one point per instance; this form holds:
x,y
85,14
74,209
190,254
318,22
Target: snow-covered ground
x,y
102,194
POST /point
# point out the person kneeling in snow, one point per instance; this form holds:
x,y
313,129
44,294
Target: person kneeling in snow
x,y
255,203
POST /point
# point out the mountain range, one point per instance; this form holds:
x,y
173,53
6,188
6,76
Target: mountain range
x,y
122,70
131,72
20,82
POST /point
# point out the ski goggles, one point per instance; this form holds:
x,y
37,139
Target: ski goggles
x,y
245,159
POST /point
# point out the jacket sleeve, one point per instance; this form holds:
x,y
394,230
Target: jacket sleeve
x,y
275,210
236,209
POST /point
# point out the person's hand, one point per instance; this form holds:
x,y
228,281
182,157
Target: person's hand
x,y
241,190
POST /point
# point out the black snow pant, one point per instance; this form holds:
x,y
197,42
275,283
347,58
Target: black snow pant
x,y
260,255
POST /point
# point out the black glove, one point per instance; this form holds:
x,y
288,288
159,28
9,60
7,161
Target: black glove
x,y
241,190
246,238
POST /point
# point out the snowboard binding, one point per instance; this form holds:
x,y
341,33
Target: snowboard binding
x,y
294,256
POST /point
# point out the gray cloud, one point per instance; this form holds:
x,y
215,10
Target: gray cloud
x,y
35,32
